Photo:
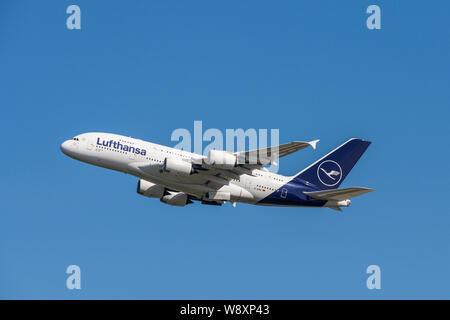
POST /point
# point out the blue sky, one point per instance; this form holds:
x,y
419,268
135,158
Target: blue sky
x,y
144,68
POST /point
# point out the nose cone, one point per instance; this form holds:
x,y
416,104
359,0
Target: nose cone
x,y
65,147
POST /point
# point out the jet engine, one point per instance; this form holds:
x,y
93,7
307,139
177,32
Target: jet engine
x,y
176,166
221,159
174,198
149,189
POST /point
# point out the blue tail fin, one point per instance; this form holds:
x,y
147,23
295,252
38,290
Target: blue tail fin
x,y
331,170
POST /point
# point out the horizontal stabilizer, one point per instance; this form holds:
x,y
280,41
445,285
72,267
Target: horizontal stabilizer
x,y
338,194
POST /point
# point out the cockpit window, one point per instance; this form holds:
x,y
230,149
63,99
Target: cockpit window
x,y
76,139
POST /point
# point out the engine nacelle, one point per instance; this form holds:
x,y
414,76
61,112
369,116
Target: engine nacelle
x,y
221,159
149,189
177,166
178,199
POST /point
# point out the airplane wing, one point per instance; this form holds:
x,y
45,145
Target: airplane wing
x,y
338,194
262,157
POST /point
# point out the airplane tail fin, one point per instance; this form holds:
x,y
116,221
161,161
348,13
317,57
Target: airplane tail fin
x,y
329,171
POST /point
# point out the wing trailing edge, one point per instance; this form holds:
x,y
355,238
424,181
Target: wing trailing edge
x,y
266,156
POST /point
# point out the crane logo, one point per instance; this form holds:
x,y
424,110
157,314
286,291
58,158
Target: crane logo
x,y
329,173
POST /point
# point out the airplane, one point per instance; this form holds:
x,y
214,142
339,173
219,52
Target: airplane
x,y
179,177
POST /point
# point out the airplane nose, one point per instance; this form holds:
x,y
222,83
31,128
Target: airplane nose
x,y
65,147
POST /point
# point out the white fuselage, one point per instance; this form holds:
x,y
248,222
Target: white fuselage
x,y
145,160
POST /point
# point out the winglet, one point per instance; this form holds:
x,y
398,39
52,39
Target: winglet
x,y
313,143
